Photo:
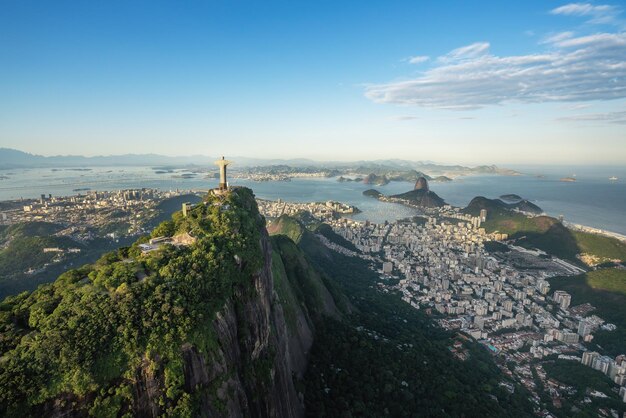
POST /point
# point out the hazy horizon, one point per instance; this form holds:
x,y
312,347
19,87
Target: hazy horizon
x,y
296,158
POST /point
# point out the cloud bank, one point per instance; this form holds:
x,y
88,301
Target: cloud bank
x,y
418,59
570,69
599,14
611,117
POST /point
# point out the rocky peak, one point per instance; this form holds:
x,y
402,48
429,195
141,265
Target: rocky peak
x,y
421,184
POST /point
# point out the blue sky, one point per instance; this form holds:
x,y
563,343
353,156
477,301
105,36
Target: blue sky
x,y
450,81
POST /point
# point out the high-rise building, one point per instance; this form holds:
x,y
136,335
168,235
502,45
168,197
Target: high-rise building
x,y
480,322
602,364
585,328
483,215
589,357
568,337
562,298
615,370
508,305
543,286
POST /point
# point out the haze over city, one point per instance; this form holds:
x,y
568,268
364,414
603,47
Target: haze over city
x,y
531,82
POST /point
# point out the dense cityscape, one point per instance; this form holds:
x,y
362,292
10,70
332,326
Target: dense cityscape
x,y
501,299
74,222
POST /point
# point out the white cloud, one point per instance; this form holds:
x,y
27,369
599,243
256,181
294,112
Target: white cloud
x,y
574,69
418,59
467,52
598,40
612,117
577,106
558,37
403,118
599,14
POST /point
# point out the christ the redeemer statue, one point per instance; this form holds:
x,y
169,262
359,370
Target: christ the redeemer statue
x,y
222,165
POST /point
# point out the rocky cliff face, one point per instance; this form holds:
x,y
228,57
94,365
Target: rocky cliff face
x,y
421,184
250,370
423,198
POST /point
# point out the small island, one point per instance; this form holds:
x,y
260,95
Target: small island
x,y
343,179
376,180
372,193
184,176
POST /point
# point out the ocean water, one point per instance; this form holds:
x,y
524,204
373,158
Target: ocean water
x,y
592,200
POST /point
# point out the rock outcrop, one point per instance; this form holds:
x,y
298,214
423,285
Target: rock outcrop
x,y
375,179
421,184
263,335
249,370
372,193
493,206
422,198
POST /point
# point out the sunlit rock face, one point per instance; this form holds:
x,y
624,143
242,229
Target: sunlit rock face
x,y
421,184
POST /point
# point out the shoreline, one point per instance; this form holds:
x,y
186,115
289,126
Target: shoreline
x,y
181,185
597,231
569,225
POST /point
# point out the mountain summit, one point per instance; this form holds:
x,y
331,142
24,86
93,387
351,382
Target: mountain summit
x,y
421,195
421,184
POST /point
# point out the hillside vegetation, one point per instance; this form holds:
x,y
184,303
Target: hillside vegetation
x,y
611,280
22,245
547,233
583,379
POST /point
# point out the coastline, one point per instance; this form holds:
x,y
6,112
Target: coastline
x,y
597,231
549,193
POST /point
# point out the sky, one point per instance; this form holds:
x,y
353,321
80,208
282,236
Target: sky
x,y
532,82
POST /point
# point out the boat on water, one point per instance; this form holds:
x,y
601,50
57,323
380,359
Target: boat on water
x,y
613,178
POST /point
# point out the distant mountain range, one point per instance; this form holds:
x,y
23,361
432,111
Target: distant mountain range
x,y
11,158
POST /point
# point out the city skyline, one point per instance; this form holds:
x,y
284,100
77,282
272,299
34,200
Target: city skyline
x,y
534,83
